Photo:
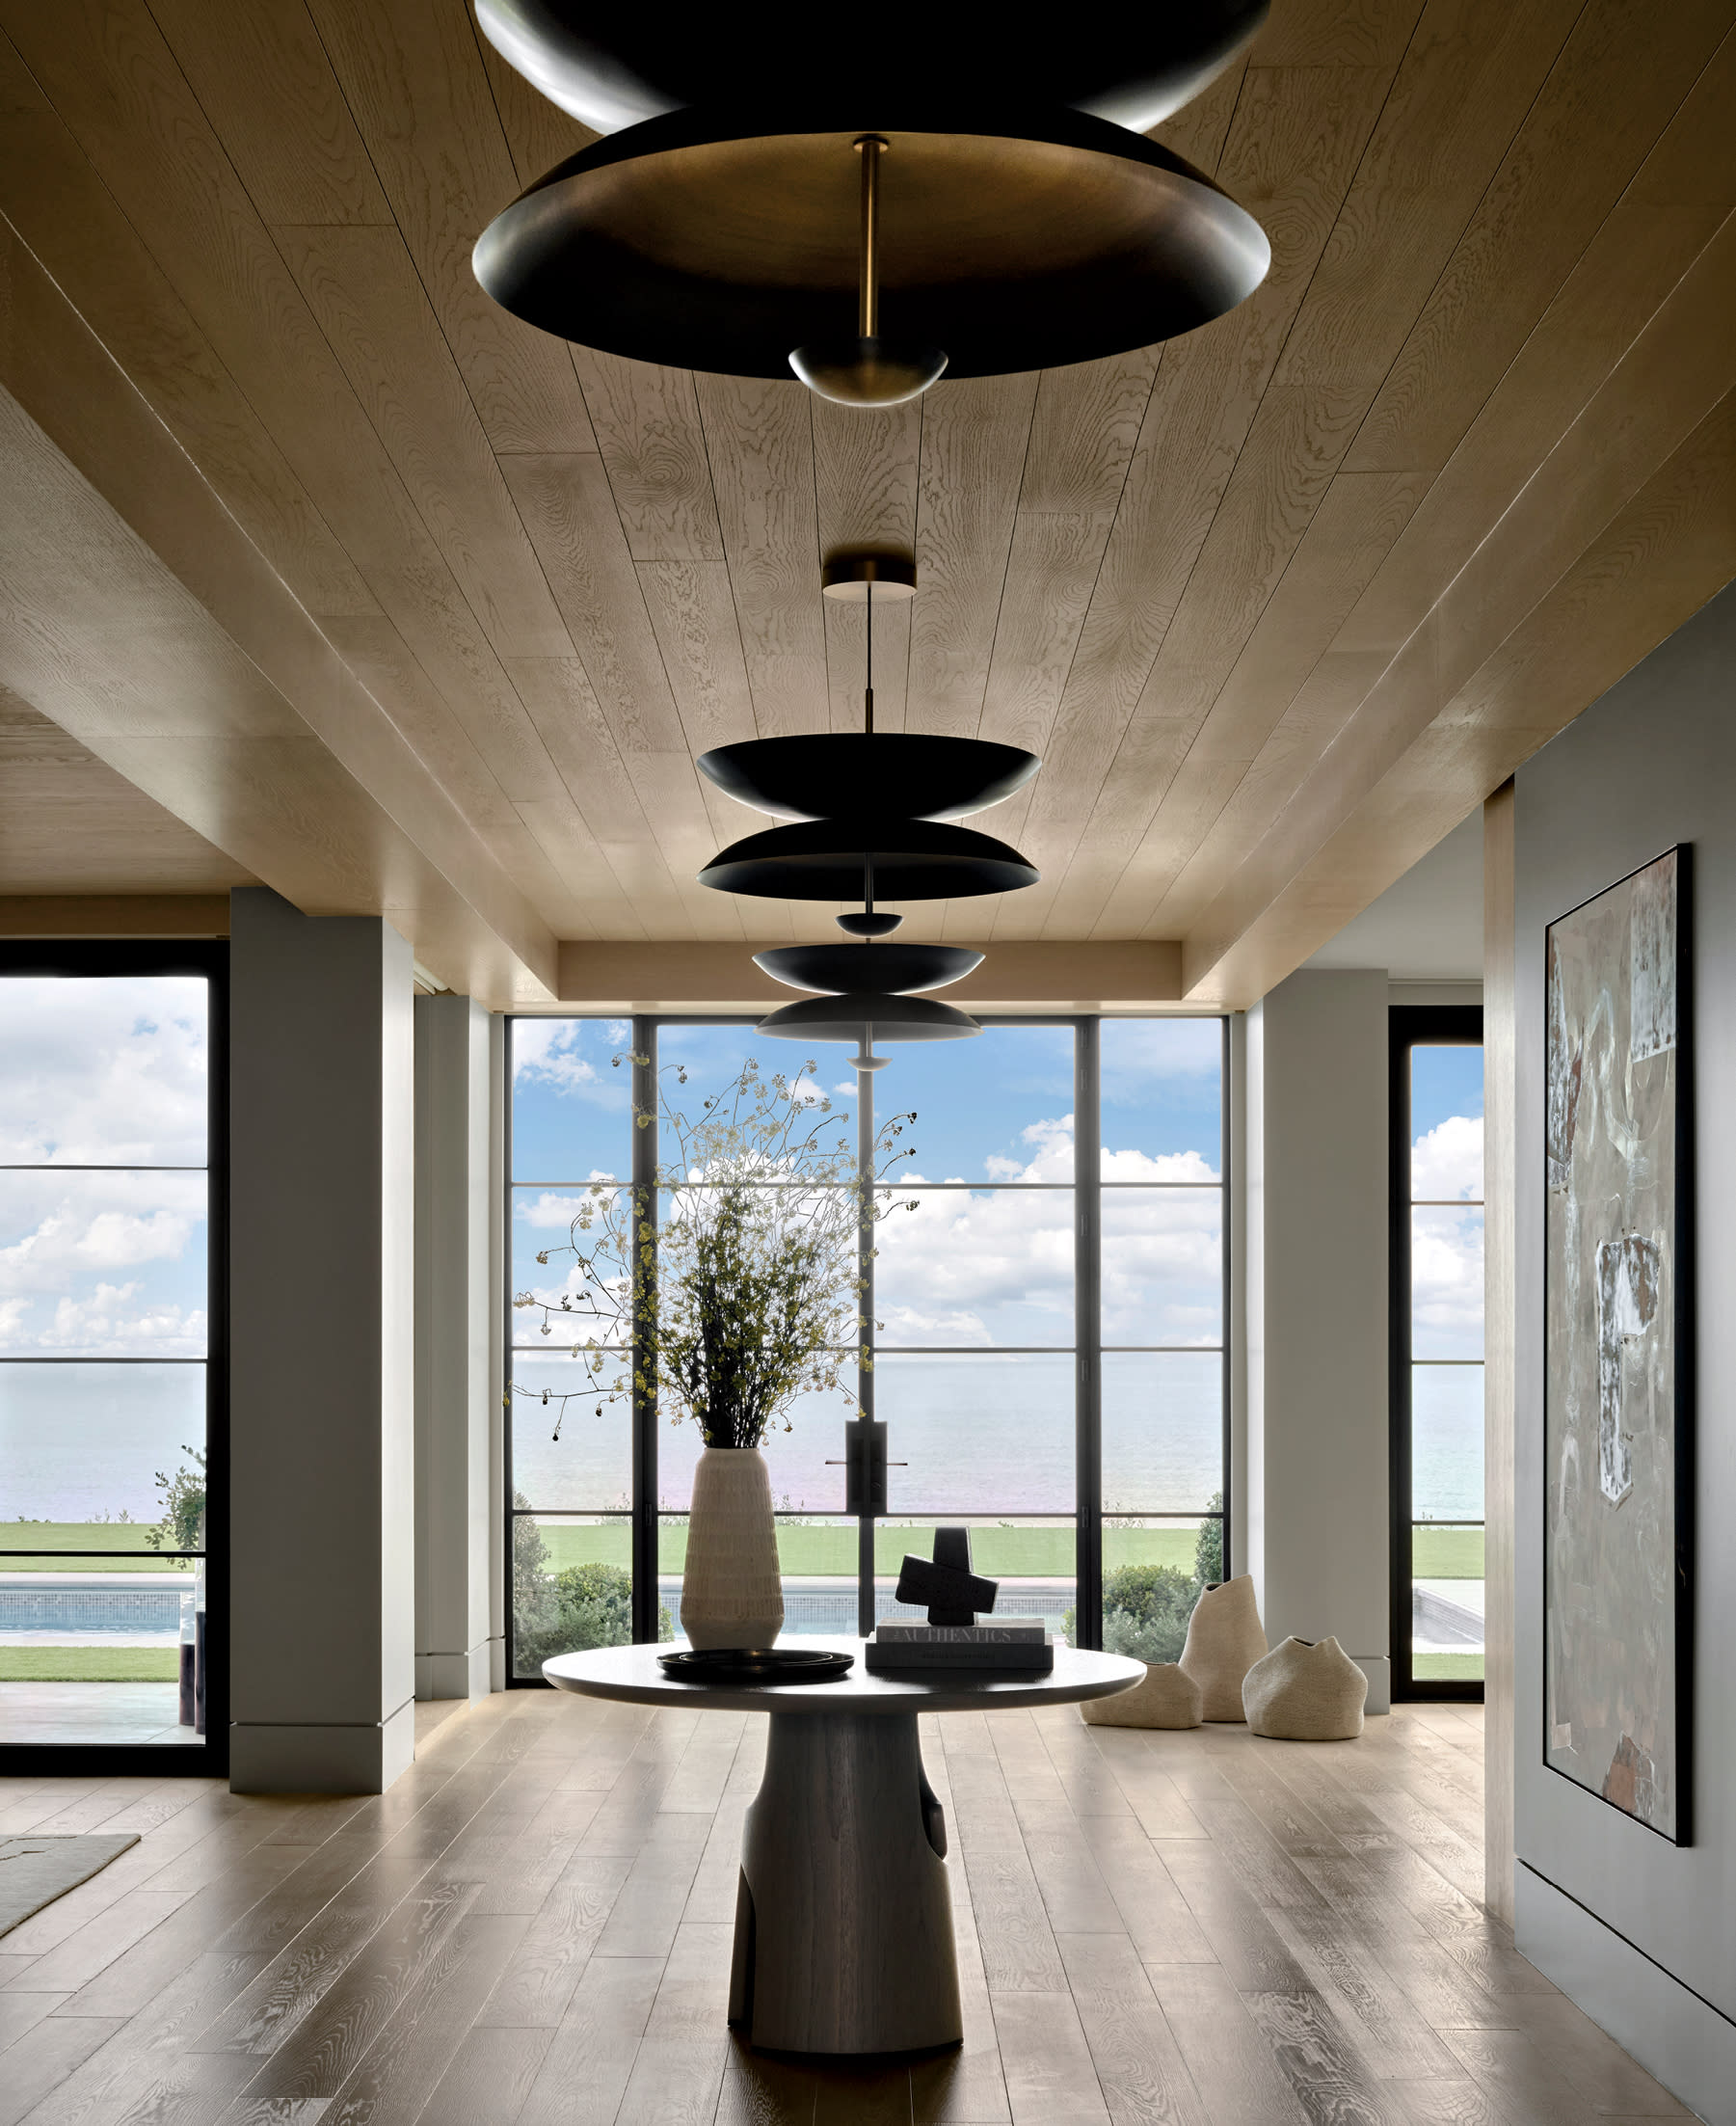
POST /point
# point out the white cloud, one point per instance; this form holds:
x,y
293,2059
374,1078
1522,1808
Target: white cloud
x,y
546,1049
551,1212
104,1069
1446,1246
997,1266
1446,1162
1446,1283
65,1235
110,1320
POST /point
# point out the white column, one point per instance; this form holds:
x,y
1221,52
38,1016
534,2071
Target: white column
x,y
453,1294
321,1278
1315,1199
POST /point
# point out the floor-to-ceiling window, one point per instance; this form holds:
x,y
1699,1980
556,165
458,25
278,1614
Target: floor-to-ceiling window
x,y
1038,1313
110,1383
1436,1326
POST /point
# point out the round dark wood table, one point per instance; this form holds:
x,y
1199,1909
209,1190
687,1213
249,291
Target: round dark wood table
x,y
844,1924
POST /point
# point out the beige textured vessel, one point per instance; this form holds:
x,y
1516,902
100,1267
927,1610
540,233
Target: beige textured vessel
x,y
1224,1641
1168,1698
1305,1692
731,1592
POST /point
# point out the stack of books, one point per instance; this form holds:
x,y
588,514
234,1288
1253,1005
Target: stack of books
x,y
1020,1643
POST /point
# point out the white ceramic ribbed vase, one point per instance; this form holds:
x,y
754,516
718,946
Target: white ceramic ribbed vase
x,y
731,1591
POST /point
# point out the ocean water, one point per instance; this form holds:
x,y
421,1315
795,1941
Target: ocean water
x,y
989,1432
980,1433
83,1442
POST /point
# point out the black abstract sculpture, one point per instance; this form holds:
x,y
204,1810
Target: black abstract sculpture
x,y
953,1594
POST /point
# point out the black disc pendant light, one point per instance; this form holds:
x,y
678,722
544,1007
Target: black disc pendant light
x,y
870,814
996,208
871,806
732,240
616,67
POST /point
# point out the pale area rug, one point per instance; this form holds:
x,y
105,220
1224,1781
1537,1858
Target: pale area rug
x,y
36,1870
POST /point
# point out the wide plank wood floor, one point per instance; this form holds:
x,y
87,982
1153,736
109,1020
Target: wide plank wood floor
x,y
532,1929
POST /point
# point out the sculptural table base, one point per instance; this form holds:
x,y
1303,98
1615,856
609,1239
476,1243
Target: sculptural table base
x,y
843,1923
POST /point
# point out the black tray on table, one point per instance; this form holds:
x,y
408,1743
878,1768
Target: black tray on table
x,y
771,1664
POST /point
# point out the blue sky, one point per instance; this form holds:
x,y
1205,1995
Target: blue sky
x,y
974,1101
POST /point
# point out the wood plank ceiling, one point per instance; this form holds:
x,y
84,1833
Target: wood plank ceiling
x,y
1279,603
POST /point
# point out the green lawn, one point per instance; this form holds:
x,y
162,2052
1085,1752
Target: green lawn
x,y
1446,1553
820,1552
90,1664
84,1535
1446,1668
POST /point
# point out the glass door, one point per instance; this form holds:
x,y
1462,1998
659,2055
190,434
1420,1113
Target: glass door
x,y
1436,1329
112,1643
1047,1330
976,1343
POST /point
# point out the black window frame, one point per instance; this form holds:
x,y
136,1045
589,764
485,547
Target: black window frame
x,y
1411,1026
1087,1187
206,1758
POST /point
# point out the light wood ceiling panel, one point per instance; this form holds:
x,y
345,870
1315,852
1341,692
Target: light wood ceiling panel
x,y
1457,100
1237,591
419,96
1681,195
69,823
1293,149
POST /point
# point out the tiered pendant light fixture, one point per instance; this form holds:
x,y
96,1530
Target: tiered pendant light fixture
x,y
868,815
996,198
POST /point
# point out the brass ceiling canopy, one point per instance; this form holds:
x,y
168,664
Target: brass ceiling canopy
x,y
732,239
616,67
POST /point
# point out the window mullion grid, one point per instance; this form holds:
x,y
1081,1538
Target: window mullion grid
x,y
1087,1295
644,1402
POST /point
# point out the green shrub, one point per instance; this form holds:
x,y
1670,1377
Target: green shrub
x,y
1146,1611
584,1606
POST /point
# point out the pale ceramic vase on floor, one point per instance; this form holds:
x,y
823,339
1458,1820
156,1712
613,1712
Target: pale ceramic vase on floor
x,y
1305,1693
1168,1698
731,1591
1224,1641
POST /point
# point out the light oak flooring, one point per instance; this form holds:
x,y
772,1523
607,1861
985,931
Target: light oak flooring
x,y
532,1929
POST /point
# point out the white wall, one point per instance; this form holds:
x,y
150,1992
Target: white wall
x,y
1641,1932
321,1370
1315,1248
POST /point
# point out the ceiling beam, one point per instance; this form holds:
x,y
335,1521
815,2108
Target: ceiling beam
x,y
141,619
115,915
1138,975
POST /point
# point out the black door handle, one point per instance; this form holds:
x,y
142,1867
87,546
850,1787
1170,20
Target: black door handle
x,y
864,1467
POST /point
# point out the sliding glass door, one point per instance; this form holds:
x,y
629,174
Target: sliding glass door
x,y
1038,1313
111,1374
1436,1331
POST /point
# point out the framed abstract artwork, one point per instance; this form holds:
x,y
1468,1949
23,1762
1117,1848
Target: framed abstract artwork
x,y
1619,1349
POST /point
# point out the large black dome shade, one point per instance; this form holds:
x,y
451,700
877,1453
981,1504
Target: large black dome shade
x,y
1013,239
825,860
897,969
850,1018
615,66
881,775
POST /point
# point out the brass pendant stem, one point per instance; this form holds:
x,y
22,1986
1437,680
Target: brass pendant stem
x,y
868,690
870,147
